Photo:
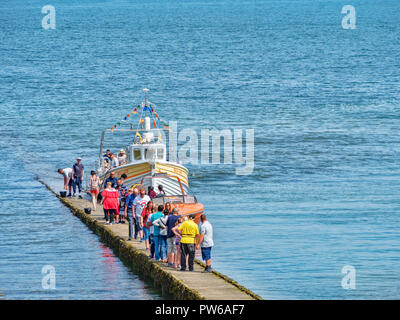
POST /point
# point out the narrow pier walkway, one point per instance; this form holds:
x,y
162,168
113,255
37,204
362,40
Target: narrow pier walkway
x,y
175,283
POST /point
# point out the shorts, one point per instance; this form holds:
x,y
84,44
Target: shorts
x,y
206,253
96,191
146,233
171,245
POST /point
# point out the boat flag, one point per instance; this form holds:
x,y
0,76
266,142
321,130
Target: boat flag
x,y
115,126
141,120
112,129
140,137
154,123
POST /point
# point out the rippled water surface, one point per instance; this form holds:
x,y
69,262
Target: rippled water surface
x,y
323,101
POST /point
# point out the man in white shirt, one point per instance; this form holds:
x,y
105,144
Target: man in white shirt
x,y
114,161
139,204
68,178
122,157
205,241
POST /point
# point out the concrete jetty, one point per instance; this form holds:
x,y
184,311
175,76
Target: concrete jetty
x,y
173,283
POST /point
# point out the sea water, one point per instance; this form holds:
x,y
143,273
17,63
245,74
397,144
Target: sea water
x,y
323,102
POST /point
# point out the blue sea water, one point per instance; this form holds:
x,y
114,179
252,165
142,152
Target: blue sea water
x,y
323,101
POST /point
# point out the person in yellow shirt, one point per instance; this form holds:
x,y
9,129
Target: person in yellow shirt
x,y
189,231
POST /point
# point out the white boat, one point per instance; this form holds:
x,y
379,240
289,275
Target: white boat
x,y
146,156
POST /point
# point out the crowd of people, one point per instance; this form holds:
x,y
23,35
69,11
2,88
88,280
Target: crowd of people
x,y
168,236
112,161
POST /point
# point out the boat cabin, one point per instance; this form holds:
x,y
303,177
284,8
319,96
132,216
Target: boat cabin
x,y
146,152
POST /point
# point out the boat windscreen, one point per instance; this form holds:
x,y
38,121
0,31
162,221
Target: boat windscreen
x,y
190,199
180,199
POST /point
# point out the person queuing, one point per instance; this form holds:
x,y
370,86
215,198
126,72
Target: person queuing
x,y
205,241
94,186
67,174
123,192
151,236
143,221
178,238
156,231
114,161
77,176
111,179
189,231
129,209
167,208
107,156
162,224
171,238
161,191
152,194
121,157
140,203
110,202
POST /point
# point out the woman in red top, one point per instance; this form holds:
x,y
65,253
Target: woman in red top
x,y
147,211
110,202
152,194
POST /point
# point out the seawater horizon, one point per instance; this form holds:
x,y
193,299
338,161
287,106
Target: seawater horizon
x,y
323,102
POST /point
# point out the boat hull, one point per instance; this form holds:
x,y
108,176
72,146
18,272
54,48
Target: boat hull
x,y
135,172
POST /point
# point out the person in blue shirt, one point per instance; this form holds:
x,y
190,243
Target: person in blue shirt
x,y
156,231
111,179
129,215
171,241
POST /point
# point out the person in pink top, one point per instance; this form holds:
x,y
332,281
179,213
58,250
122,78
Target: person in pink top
x,y
110,202
152,194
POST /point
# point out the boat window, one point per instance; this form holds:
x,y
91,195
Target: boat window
x,y
174,199
189,199
136,154
160,153
149,154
